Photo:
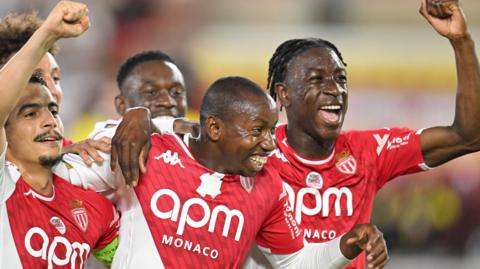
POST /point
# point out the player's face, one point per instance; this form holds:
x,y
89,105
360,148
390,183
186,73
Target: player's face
x,y
34,129
248,138
159,86
317,82
50,72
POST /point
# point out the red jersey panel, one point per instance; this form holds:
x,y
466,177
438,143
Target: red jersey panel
x,y
330,196
62,230
199,218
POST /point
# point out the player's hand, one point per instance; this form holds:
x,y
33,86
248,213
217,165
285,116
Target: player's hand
x,y
366,237
131,144
88,149
67,19
446,17
183,126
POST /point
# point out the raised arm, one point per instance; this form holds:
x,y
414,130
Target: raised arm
x,y
441,144
67,19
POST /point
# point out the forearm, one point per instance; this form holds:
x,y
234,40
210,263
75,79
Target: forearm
x,y
14,75
467,111
313,255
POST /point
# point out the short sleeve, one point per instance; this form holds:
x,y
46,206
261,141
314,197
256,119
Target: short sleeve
x,y
280,233
112,219
398,152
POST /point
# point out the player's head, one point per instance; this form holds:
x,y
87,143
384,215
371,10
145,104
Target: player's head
x,y
33,128
308,77
15,30
151,79
238,117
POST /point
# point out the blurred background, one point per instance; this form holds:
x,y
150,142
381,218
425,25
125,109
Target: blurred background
x,y
401,73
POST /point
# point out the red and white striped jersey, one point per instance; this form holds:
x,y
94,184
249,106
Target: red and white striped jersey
x,y
330,196
59,231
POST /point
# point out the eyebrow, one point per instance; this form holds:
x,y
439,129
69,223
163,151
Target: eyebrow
x,y
35,106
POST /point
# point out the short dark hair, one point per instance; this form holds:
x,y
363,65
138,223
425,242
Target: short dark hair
x,y
137,59
228,95
15,30
289,49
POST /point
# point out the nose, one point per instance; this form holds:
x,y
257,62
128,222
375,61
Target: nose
x,y
49,120
333,88
165,100
268,143
54,88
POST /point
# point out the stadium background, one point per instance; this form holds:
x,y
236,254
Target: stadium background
x,y
401,73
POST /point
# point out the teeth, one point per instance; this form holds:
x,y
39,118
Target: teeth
x,y
259,160
331,107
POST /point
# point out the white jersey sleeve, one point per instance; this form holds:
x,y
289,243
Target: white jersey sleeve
x,y
312,255
96,177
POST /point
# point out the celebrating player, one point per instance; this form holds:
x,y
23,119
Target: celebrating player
x,y
332,176
15,30
203,201
151,79
46,222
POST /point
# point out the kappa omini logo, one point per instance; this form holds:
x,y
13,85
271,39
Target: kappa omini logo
x,y
314,180
170,158
58,224
79,214
346,163
210,184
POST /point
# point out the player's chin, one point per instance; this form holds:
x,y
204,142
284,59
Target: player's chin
x,y
49,160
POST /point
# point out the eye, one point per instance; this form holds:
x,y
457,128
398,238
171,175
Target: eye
x,y
30,114
56,79
256,131
341,79
316,79
177,91
54,112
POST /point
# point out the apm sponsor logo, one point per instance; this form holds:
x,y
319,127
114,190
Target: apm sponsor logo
x,y
181,213
321,201
38,245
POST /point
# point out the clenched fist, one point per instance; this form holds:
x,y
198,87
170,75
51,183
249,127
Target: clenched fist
x,y
67,19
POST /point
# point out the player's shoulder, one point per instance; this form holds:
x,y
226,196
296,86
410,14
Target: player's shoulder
x,y
88,195
362,136
104,128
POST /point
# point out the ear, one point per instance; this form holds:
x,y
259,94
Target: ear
x,y
120,104
282,94
214,127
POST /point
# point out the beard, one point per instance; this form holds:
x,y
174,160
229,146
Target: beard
x,y
49,161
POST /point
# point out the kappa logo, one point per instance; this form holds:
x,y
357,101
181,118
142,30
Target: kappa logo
x,y
170,158
79,214
58,224
211,184
346,163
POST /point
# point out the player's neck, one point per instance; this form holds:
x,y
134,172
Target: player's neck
x,y
308,146
36,175
206,154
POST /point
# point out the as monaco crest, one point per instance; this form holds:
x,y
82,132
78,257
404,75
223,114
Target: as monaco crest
x,y
79,214
247,183
346,163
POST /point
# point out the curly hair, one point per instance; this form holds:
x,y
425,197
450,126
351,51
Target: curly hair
x,y
15,30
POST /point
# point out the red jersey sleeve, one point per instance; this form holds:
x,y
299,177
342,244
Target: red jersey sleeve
x,y
66,142
112,219
280,233
397,151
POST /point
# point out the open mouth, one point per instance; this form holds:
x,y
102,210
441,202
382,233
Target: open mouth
x,y
331,114
258,161
48,138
